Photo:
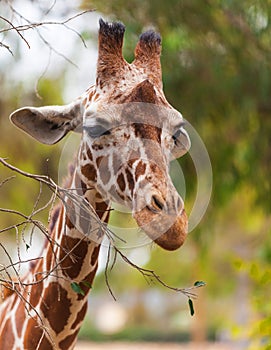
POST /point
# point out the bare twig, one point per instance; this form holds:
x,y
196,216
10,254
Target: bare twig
x,y
6,47
14,263
20,285
34,25
30,25
14,28
106,273
7,180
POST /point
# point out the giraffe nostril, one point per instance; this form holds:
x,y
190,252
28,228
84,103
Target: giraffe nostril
x,y
157,203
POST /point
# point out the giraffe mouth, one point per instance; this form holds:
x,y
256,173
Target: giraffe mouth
x,y
167,230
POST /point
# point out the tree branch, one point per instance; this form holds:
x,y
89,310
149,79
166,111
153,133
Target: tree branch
x,y
29,25
77,201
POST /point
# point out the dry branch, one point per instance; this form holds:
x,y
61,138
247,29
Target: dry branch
x,y
30,25
59,192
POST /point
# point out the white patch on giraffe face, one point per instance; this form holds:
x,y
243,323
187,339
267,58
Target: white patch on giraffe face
x,y
91,111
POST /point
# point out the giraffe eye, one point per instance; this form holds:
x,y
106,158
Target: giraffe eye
x,y
181,139
96,131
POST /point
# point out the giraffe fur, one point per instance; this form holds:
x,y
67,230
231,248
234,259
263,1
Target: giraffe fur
x,y
129,135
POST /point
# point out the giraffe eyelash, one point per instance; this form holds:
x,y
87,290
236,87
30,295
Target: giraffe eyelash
x,y
181,139
96,131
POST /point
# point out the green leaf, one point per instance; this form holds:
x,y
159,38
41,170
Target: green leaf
x,y
87,284
77,289
27,246
199,284
191,307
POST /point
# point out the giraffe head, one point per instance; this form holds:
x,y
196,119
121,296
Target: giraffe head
x,y
129,135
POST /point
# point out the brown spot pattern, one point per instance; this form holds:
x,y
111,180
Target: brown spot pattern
x,y
54,217
49,256
89,278
143,92
72,266
89,172
56,306
83,187
140,169
6,290
20,317
149,132
120,195
121,182
80,186
130,180
7,341
80,316
95,254
32,337
89,154
131,162
69,220
67,342
36,291
83,156
101,207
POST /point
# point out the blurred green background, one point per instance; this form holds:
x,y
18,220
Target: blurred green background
x,y
216,63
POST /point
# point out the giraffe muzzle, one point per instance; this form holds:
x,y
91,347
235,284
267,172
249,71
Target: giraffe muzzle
x,y
175,236
165,223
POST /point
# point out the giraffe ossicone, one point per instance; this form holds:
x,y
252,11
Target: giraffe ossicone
x,y
129,135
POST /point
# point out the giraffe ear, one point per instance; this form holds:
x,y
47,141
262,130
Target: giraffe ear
x,y
49,124
147,55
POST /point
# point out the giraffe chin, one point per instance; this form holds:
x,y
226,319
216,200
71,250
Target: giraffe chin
x,y
166,231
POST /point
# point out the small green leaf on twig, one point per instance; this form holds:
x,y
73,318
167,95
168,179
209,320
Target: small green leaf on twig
x,y
199,284
77,289
191,307
87,284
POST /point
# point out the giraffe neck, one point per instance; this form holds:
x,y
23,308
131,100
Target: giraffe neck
x,y
52,306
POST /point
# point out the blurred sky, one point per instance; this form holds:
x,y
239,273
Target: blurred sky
x,y
28,65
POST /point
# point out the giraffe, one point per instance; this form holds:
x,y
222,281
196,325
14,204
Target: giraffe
x,y
129,135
